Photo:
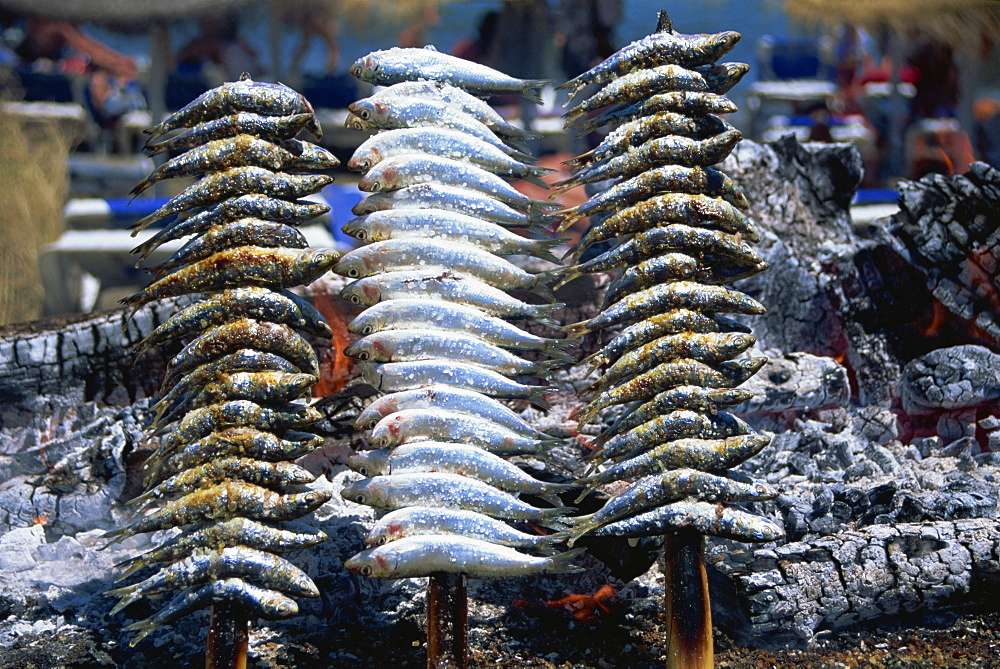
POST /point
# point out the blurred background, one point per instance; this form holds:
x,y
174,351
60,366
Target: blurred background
x,y
913,84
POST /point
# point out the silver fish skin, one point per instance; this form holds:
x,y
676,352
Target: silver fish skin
x,y
244,95
240,266
418,168
243,360
694,210
711,246
415,425
239,334
393,377
239,151
390,113
705,454
415,254
717,520
681,372
232,532
444,490
238,441
682,102
457,99
254,302
641,84
452,198
665,179
707,347
668,150
452,458
664,268
677,424
414,521
261,602
419,344
446,286
426,554
446,143
671,295
444,397
250,205
672,486
206,420
228,499
658,325
694,398
657,49
448,226
240,123
265,387
263,569
392,66
219,186
637,132
246,231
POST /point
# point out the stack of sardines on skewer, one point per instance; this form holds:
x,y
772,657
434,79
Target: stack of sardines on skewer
x,y
230,415
677,231
437,338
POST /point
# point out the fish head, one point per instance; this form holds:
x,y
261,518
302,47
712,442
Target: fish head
x,y
384,532
358,263
361,292
369,463
372,562
356,227
367,348
374,412
355,123
387,433
304,585
318,261
294,474
277,605
370,204
364,160
381,177
364,109
315,157
357,70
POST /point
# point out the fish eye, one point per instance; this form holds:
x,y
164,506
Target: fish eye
x,y
360,499
362,470
353,273
361,234
355,299
376,186
362,355
382,540
364,114
366,570
366,329
383,442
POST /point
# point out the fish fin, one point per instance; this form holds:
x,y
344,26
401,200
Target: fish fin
x,y
144,627
535,396
542,248
554,348
558,512
544,367
533,89
547,544
551,498
563,563
544,313
430,47
514,132
577,330
569,217
542,279
535,179
541,207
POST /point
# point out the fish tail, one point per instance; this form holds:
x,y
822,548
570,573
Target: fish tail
x,y
563,563
140,499
537,396
542,279
534,177
540,207
144,628
557,512
555,348
533,89
143,185
551,498
131,566
544,367
577,330
566,275
594,360
569,217
544,314
146,221
547,544
587,414
510,130
542,248
583,495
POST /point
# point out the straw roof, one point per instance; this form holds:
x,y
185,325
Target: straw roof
x,y
953,22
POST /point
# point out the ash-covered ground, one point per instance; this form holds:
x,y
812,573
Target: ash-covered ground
x,y
881,394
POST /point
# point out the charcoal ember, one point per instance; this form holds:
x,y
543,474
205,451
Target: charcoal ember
x,y
795,381
950,378
785,595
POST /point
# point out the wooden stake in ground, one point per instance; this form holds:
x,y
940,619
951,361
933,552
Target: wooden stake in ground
x,y
447,622
688,611
228,632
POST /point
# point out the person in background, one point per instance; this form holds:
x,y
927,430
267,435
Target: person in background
x,y
312,18
413,35
219,53
476,48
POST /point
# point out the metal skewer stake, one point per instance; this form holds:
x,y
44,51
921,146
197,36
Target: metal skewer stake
x,y
447,621
688,610
228,636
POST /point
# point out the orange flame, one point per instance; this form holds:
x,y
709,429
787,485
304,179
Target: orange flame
x,y
335,369
584,608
